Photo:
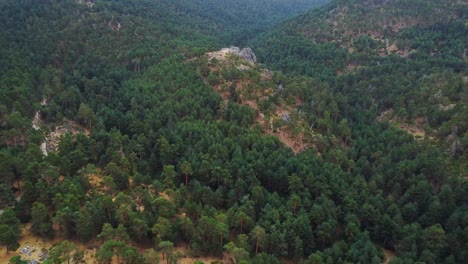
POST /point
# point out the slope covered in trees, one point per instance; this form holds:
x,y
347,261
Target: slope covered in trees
x,y
407,58
164,162
238,21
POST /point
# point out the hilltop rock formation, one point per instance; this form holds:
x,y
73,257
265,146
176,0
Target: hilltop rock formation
x,y
246,54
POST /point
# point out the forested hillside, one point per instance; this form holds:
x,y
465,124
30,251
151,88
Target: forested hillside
x,y
405,60
236,22
123,141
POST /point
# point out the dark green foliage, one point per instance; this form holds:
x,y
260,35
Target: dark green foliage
x,y
17,260
167,161
9,237
238,21
9,230
40,222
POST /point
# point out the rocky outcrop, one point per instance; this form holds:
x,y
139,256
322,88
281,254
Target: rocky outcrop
x,y
36,124
246,54
231,50
52,139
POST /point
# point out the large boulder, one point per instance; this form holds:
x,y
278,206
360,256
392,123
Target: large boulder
x,y
248,55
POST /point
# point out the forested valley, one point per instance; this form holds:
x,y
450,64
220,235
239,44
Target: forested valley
x,y
127,136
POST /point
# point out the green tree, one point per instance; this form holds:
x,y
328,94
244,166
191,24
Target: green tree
x,y
65,218
86,115
294,202
65,251
151,256
6,195
186,169
40,223
8,217
364,251
344,130
243,221
434,237
166,248
138,227
325,232
166,151
109,184
168,176
8,237
110,249
84,223
115,234
221,227
17,260
235,254
187,226
258,234
131,255
161,229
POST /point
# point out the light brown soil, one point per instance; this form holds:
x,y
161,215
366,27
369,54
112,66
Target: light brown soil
x,y
417,133
388,256
415,129
296,144
36,244
95,180
189,260
164,195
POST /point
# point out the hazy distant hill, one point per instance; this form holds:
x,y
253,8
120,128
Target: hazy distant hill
x,y
344,21
238,21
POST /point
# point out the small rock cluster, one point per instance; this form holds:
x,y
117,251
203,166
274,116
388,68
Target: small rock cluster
x,y
26,250
248,55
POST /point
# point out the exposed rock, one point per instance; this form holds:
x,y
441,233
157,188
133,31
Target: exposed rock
x,y
36,121
267,74
243,68
36,124
286,117
280,87
446,107
232,50
248,55
54,137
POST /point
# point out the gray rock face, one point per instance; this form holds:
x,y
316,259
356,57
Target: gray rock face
x,y
248,55
232,50
280,87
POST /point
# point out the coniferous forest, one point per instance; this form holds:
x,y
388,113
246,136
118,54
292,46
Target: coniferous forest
x,y
127,136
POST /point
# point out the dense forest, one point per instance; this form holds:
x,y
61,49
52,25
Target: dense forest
x,y
122,141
